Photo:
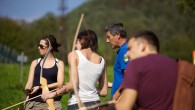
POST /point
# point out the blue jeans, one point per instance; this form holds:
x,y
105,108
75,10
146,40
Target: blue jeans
x,y
75,106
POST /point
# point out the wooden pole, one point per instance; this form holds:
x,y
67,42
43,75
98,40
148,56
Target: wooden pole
x,y
193,57
73,49
26,100
21,66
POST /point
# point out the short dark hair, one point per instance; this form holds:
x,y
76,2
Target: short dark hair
x,y
53,42
88,39
116,28
149,36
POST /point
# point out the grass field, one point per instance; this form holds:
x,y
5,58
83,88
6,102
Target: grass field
x,y
12,89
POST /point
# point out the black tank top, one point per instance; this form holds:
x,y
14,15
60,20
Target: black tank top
x,y
48,73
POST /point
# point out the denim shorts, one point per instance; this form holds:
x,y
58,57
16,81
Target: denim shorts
x,y
75,106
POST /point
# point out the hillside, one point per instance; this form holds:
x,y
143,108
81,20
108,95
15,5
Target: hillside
x,y
176,30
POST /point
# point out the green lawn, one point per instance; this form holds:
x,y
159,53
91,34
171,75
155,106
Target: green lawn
x,y
12,90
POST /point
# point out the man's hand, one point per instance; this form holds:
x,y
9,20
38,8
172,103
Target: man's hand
x,y
116,96
110,84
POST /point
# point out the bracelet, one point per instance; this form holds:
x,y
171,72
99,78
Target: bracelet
x,y
67,90
28,91
56,94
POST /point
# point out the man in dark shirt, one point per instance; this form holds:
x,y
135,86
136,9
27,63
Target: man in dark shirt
x,y
150,78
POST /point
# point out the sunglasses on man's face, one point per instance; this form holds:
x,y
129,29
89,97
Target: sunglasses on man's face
x,y
41,46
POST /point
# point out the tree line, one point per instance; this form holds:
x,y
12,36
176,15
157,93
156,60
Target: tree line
x,y
174,24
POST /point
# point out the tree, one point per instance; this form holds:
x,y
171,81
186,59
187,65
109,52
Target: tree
x,y
187,5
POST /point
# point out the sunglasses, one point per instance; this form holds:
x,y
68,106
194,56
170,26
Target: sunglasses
x,y
41,46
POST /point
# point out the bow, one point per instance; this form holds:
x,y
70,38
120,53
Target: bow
x,y
25,101
80,104
43,81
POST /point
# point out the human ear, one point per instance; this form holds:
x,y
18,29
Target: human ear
x,y
143,46
118,35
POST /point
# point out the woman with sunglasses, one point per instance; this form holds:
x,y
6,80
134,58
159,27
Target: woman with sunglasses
x,y
53,71
87,68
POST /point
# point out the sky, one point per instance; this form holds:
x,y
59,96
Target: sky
x,y
30,10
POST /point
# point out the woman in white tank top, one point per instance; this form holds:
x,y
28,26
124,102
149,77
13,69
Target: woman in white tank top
x,y
87,69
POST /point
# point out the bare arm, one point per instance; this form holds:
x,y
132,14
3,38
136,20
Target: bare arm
x,y
62,90
103,82
29,83
127,99
117,95
73,71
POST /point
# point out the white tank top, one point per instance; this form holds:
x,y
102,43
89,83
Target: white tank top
x,y
88,73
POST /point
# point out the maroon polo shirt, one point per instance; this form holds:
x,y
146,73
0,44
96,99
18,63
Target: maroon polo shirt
x,y
154,78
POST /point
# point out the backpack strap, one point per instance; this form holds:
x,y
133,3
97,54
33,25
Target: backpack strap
x,y
56,61
38,60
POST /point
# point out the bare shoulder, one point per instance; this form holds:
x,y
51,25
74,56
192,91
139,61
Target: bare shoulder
x,y
34,62
98,57
61,62
72,54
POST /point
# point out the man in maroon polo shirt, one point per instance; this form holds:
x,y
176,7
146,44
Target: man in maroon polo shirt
x,y
150,78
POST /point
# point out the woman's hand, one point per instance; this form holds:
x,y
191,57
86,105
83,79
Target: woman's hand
x,y
50,95
68,87
35,89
